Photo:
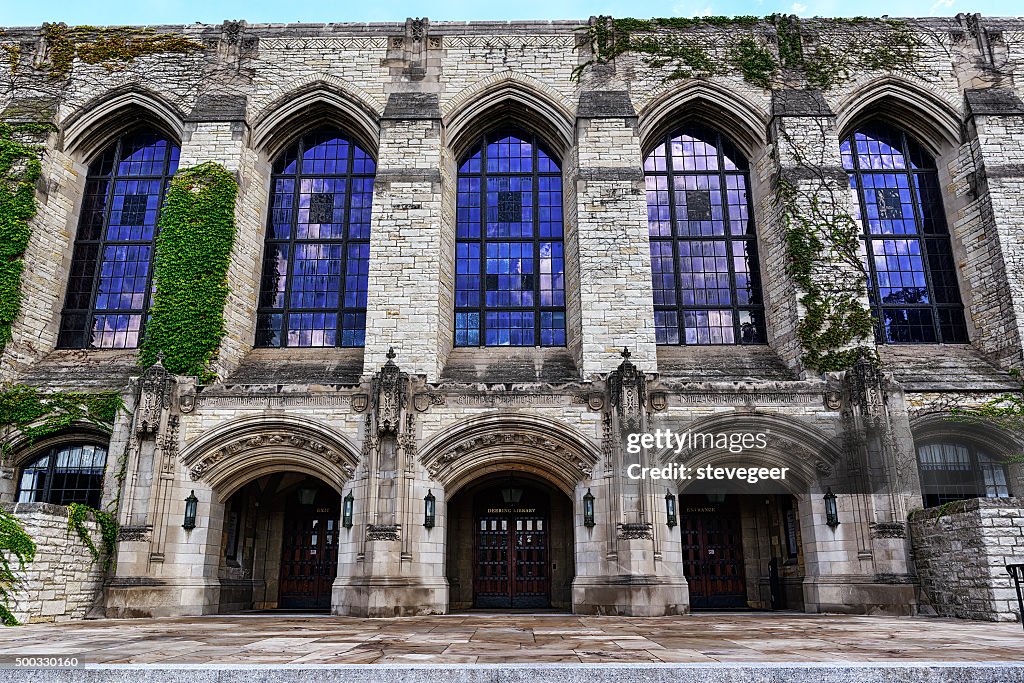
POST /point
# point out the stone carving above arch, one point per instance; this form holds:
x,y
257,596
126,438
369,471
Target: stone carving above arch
x,y
289,110
460,453
242,450
906,101
532,104
741,120
91,126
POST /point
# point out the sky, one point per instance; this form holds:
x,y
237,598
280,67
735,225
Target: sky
x,y
113,12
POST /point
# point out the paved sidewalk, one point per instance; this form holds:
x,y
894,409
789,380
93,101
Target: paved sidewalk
x,y
532,639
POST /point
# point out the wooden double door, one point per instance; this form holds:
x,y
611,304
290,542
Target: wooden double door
x,y
712,544
309,552
512,568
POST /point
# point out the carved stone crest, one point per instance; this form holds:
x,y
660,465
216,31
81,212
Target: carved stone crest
x,y
595,401
360,402
833,394
187,401
424,399
659,402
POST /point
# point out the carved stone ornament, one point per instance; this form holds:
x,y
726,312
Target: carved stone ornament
x,y
888,529
823,468
383,532
867,387
659,402
389,389
627,386
134,533
424,399
833,394
154,397
360,402
271,439
492,439
634,531
187,401
595,401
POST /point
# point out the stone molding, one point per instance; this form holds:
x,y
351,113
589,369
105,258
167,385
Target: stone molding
x,y
452,457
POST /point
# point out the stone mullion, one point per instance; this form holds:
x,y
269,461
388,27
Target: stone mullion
x,y
617,305
221,138
996,131
403,306
808,158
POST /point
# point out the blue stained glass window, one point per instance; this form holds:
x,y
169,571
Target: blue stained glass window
x,y
704,267
111,266
509,257
317,254
912,287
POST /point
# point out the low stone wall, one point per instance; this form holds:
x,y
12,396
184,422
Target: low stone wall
x,y
961,551
63,582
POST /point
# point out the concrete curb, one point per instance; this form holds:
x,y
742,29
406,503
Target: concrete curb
x,y
918,672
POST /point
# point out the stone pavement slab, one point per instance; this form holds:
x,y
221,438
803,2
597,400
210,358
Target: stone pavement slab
x,y
749,647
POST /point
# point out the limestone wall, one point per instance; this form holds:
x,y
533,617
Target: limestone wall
x,y
961,552
62,583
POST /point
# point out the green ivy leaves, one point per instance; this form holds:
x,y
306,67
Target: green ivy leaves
x,y
835,47
77,514
835,321
19,171
16,546
193,251
37,414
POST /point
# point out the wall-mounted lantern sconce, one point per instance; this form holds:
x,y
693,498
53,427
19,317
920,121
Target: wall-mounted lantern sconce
x,y
191,505
588,509
429,505
831,510
670,509
346,510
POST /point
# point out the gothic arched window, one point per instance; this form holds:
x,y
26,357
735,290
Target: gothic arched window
x,y
707,288
509,266
912,285
64,474
111,268
315,263
957,471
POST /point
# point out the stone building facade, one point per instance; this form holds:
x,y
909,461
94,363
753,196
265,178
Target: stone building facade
x,y
424,455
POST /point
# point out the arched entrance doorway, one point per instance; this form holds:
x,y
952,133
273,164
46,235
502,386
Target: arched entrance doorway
x,y
742,551
280,544
510,544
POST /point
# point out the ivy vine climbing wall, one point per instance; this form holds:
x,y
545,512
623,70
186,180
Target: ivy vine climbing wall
x,y
193,251
19,170
826,51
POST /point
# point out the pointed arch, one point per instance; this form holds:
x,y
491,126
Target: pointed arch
x,y
931,117
315,101
808,453
501,441
94,125
240,451
741,120
509,98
